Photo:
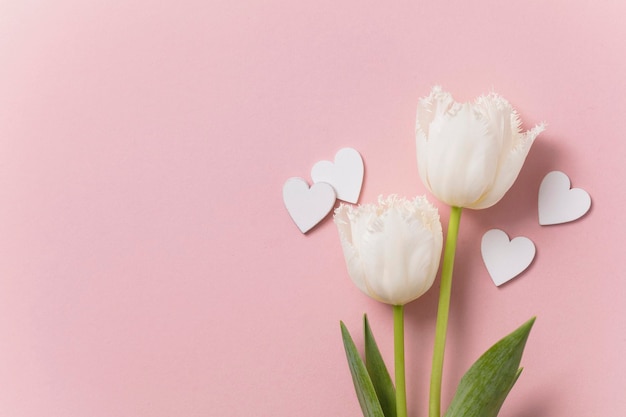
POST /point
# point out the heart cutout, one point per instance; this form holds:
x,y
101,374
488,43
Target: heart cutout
x,y
505,259
307,206
558,203
345,174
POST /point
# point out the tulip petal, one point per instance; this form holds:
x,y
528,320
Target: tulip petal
x,y
462,157
351,255
510,168
436,104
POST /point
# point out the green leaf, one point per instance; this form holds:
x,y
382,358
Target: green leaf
x,y
378,372
484,387
362,383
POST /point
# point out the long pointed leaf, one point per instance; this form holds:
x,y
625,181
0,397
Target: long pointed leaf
x,y
362,383
484,387
378,372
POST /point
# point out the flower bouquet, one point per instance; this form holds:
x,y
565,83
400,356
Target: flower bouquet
x,y
469,155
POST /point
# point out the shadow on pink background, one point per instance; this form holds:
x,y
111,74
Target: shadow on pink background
x,y
149,268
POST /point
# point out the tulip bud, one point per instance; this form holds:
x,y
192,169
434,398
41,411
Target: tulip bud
x,y
392,249
470,154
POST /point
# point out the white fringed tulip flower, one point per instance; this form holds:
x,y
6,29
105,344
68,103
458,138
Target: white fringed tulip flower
x,y
392,249
469,154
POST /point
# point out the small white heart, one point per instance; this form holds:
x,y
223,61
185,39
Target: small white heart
x,y
307,206
558,203
345,174
505,259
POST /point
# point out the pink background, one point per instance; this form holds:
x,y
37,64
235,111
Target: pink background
x,y
149,268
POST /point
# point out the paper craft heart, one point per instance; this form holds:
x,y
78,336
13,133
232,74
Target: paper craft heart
x,y
558,203
345,174
505,259
307,206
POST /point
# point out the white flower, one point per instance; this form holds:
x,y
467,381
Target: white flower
x,y
392,249
470,154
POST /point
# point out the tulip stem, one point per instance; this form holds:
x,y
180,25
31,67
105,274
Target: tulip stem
x,y
398,348
434,407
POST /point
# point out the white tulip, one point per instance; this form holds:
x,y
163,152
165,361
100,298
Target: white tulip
x,y
392,249
469,154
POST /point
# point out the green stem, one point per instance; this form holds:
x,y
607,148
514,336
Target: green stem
x,y
398,349
434,406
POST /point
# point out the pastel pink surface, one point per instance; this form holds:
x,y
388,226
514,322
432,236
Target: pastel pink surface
x,y
149,268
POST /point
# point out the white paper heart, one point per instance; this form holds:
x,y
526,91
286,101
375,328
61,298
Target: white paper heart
x,y
558,203
307,206
505,259
345,174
